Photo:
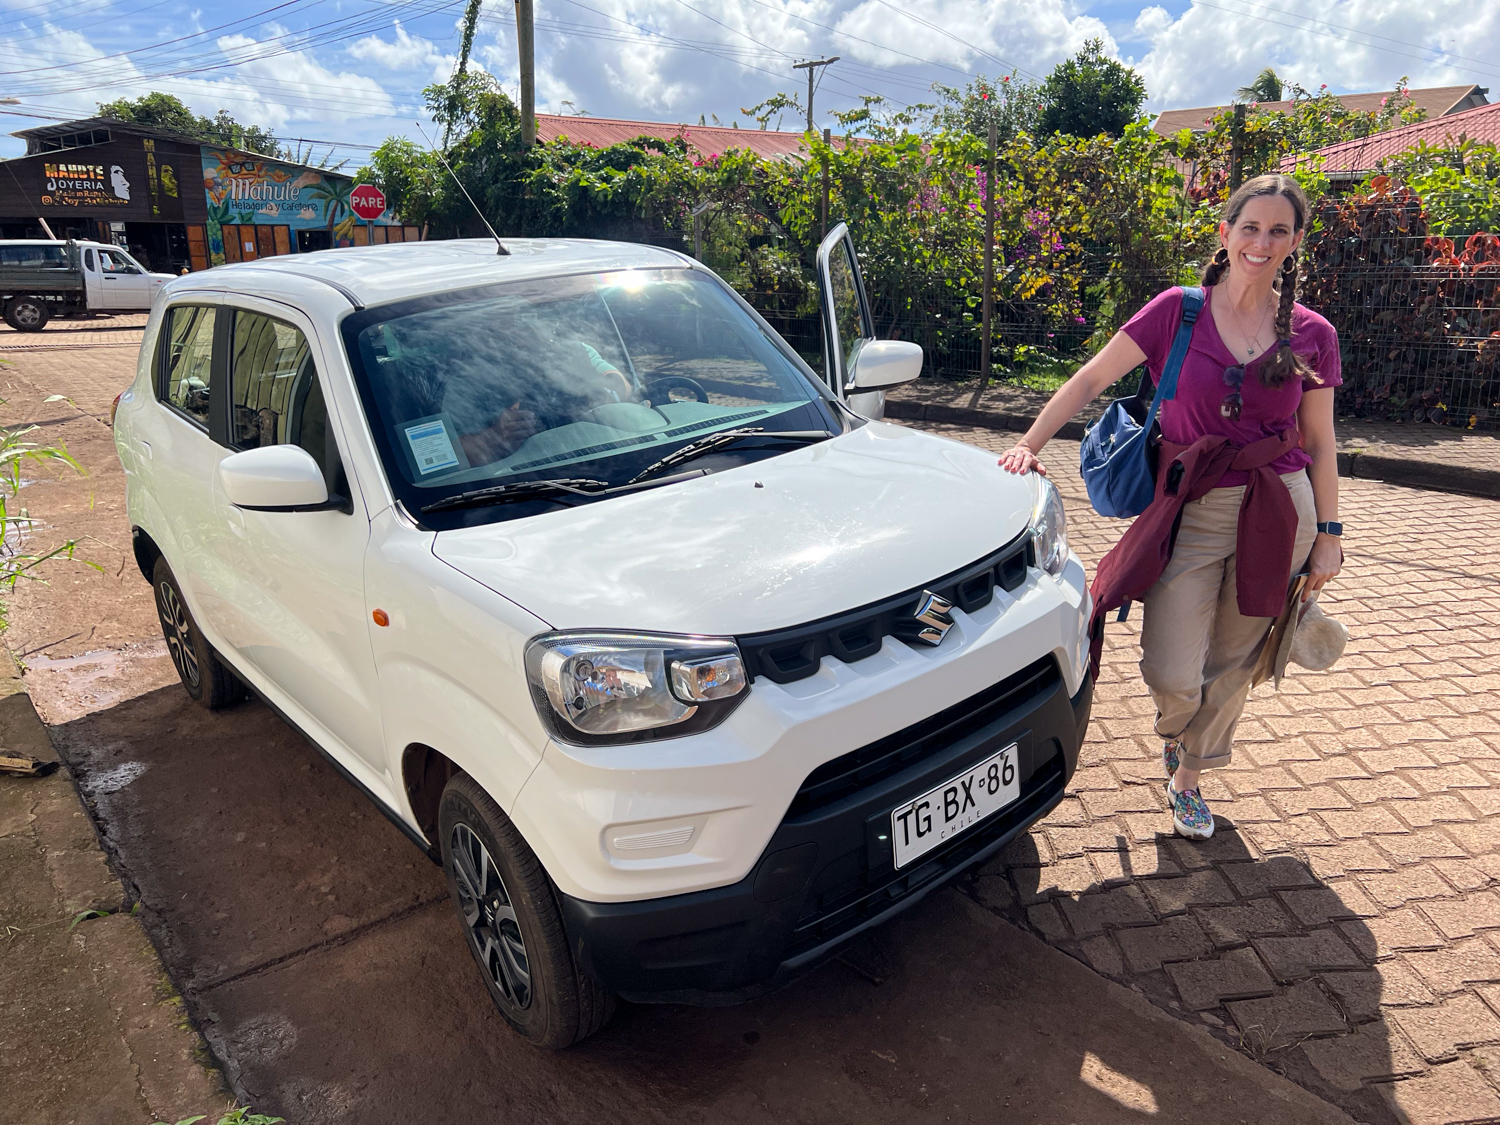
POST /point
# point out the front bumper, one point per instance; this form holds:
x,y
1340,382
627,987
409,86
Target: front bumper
x,y
826,874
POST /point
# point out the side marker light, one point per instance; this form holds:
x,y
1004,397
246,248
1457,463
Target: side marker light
x,y
381,618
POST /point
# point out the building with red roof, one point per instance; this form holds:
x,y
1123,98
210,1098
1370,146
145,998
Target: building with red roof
x,y
1354,160
709,140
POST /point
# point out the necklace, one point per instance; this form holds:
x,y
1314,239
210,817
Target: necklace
x,y
1252,340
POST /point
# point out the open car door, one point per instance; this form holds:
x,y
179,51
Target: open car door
x,y
858,367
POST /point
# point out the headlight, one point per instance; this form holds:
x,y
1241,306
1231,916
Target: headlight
x,y
609,688
1049,529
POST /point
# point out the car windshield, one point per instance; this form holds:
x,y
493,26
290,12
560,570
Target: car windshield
x,y
594,376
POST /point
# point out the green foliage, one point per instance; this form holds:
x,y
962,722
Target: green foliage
x,y
164,111
1090,94
1459,184
1014,104
1267,86
776,106
239,1115
15,524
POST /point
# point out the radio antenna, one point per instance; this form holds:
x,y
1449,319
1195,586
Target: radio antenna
x,y
499,246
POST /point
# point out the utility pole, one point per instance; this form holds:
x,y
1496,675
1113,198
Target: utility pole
x,y
985,363
810,66
1237,148
526,44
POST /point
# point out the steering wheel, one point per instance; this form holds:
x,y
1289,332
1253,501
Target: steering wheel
x,y
659,391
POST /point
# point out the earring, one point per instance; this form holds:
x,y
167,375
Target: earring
x,y
1221,256
1289,264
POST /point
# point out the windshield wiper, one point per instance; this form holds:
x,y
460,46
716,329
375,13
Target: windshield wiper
x,y
520,490
554,490
710,442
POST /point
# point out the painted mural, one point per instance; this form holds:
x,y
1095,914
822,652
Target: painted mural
x,y
249,189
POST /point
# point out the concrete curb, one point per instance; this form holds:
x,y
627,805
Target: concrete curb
x,y
90,1025
1363,466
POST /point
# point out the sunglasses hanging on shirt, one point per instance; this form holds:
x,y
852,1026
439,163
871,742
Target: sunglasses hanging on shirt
x,y
1232,403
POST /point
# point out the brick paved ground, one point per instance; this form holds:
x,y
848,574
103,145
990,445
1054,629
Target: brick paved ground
x,y
1343,925
122,330
1445,447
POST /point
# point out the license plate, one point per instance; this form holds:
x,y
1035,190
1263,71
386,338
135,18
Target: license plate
x,y
941,814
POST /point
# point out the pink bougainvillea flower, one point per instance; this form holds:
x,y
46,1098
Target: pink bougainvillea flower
x,y
1005,79
984,97
1080,320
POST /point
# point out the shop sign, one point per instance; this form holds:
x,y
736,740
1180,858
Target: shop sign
x,y
84,185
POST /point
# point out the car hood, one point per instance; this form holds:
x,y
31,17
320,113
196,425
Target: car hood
x,y
793,538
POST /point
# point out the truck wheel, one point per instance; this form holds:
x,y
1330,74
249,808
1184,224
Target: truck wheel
x,y
27,314
204,676
512,923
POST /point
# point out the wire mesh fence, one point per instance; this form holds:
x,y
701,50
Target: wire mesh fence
x,y
1418,314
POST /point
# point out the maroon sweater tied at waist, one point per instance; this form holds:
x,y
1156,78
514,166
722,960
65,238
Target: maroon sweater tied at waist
x,y
1264,540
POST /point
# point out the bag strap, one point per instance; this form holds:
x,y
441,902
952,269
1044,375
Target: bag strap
x,y
1192,305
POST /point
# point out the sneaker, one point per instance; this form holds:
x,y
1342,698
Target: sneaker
x,y
1190,815
1171,755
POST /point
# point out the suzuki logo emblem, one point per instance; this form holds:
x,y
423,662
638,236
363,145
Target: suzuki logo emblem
x,y
933,619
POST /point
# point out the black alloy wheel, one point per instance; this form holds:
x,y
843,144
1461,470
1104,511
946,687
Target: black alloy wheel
x,y
494,931
511,922
204,676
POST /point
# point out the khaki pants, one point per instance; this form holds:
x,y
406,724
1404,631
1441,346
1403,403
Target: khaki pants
x,y
1197,651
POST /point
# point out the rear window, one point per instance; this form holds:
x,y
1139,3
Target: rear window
x,y
34,257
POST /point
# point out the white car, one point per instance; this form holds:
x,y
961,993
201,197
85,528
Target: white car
x,y
685,671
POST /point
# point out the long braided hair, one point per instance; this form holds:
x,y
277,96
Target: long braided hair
x,y
1285,364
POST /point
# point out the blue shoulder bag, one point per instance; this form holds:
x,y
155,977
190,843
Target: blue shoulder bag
x,y
1118,457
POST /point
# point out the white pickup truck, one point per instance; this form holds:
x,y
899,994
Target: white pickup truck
x,y
43,278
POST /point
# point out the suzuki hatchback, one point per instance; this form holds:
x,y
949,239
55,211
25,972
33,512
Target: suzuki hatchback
x,y
684,667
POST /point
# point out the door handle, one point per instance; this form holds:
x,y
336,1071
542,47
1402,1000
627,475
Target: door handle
x,y
146,445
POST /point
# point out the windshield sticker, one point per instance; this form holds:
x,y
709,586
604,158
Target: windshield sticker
x,y
431,447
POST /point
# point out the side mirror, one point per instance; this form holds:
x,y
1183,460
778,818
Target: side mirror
x,y
886,363
274,478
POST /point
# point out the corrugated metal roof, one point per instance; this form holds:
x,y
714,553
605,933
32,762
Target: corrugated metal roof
x,y
1438,101
707,139
1349,158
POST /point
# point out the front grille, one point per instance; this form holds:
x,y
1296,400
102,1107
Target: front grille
x,y
785,655
847,775
835,910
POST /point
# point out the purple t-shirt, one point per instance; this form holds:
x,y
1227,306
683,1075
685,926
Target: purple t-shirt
x,y
1265,412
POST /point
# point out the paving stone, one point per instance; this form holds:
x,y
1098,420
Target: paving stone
x,y
1147,826
1272,873
1444,1095
1104,956
1097,777
1130,798
1341,859
1328,769
1299,801
1391,933
1399,887
1137,863
1103,836
1317,905
1030,849
1374,1050
1048,921
1449,969
1237,975
1419,845
1363,994
1092,913
1287,834
1458,776
1399,758
994,892
1445,808
1069,811
1284,1019
1385,787
1147,947
1228,926
1456,918
1226,847
1486,802
1439,1030
1300,955
1202,888
1066,876
1476,839
1368,821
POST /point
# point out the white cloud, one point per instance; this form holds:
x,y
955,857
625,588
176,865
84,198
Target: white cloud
x,y
1311,44
405,52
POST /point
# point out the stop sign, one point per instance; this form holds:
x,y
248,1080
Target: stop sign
x,y
367,201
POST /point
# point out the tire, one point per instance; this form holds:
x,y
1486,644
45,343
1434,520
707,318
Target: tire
x,y
204,676
27,314
512,924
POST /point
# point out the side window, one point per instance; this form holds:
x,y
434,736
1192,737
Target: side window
x,y
88,261
274,389
188,360
115,262
846,308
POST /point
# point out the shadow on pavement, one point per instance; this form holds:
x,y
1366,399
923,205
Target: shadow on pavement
x,y
317,950
1256,949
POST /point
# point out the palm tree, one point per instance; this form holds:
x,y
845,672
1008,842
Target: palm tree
x,y
1267,87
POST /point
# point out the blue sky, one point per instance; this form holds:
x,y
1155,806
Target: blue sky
x,y
347,73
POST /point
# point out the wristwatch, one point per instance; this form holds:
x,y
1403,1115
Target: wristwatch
x,y
1331,527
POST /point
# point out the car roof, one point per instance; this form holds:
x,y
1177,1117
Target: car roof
x,y
378,275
